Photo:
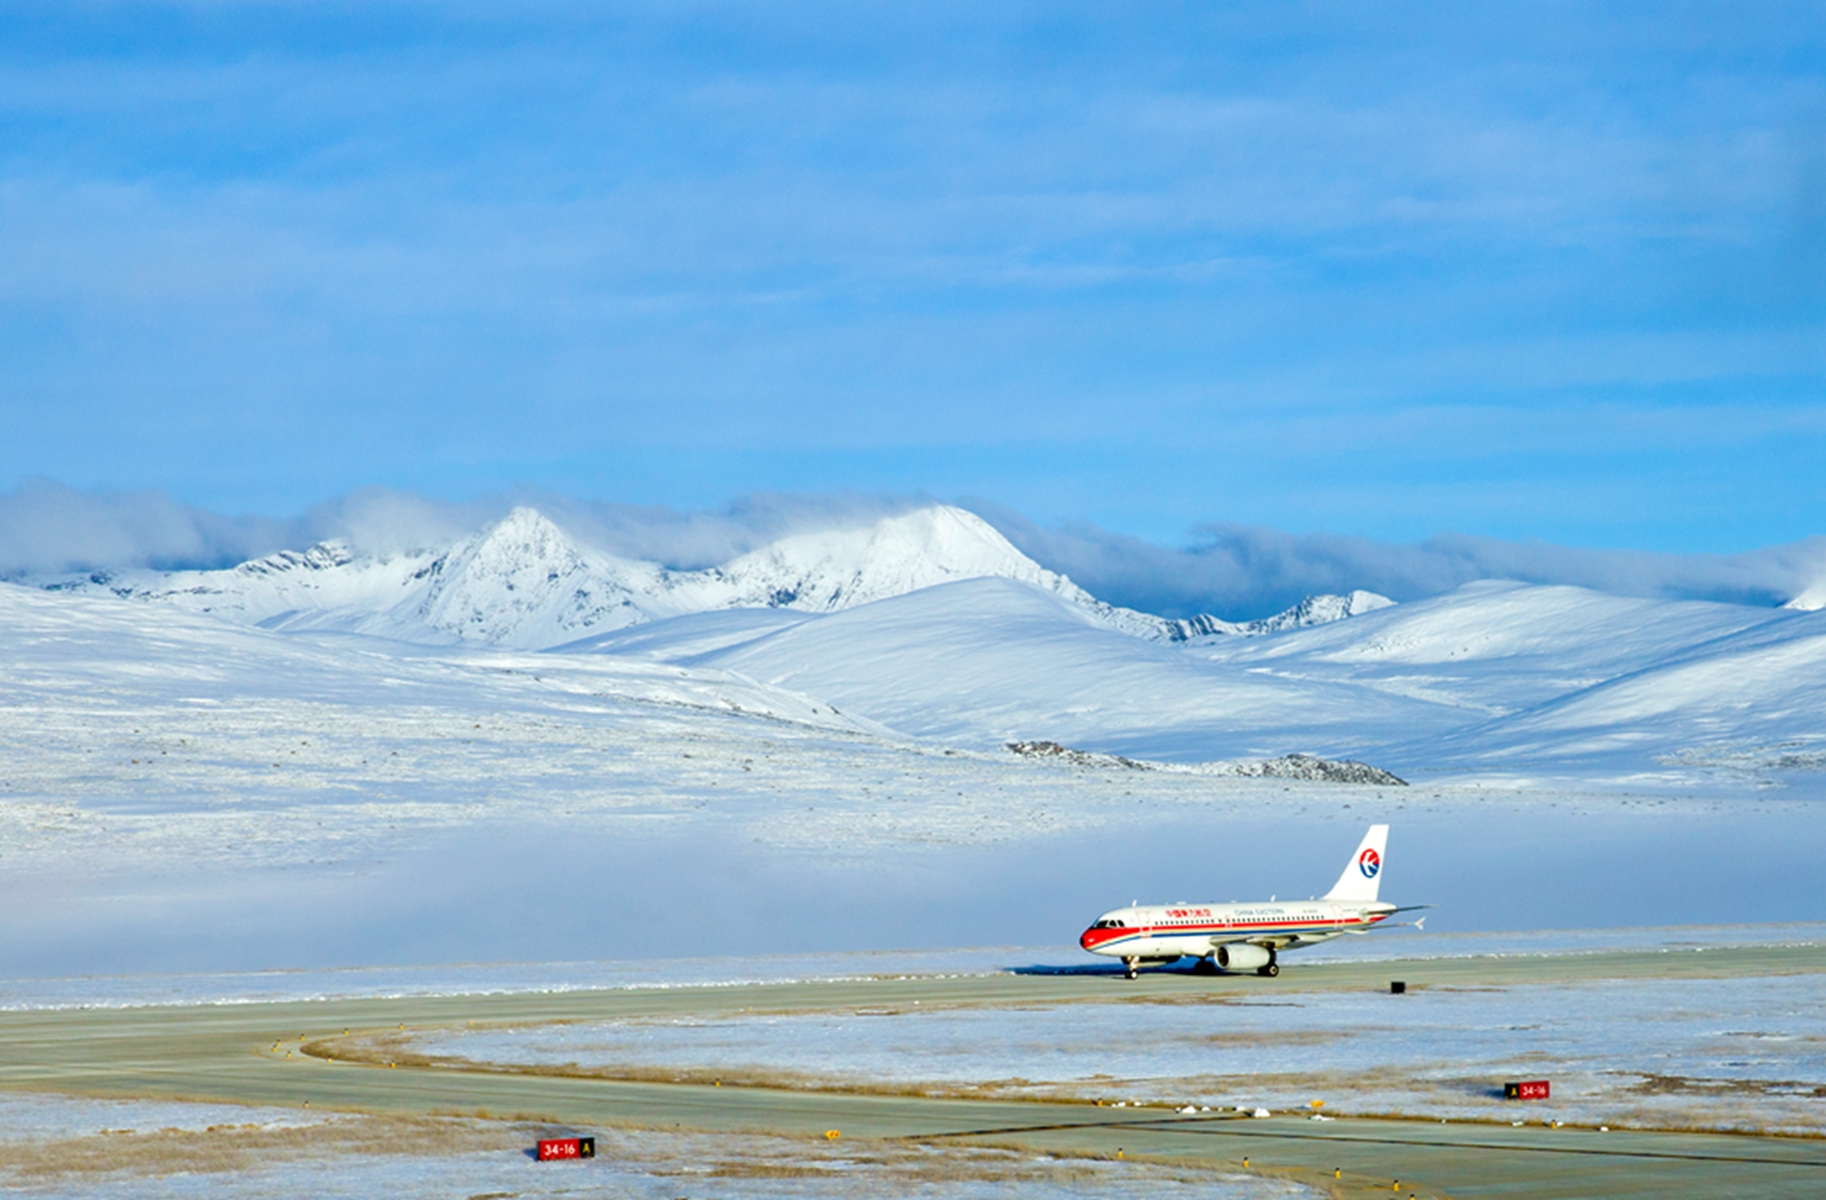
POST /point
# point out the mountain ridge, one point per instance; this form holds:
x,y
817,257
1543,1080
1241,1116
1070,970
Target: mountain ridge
x,y
524,583
1513,683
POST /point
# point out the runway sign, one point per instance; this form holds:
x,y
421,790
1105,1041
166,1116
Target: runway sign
x,y
553,1149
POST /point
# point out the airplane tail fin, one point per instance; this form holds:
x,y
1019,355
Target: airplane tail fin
x,y
1363,876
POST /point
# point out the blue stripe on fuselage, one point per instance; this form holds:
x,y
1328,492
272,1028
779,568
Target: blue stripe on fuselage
x,y
1242,930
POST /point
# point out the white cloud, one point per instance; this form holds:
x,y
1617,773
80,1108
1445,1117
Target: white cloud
x,y
47,527
1240,571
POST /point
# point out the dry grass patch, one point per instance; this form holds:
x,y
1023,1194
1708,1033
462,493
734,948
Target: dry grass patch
x,y
1686,1085
1245,1040
898,1167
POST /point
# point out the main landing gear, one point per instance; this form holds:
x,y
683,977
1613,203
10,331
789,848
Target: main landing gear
x,y
1271,968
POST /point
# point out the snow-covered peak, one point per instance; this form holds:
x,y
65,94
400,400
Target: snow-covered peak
x,y
837,569
262,591
290,563
1314,610
1320,610
524,537
1811,600
523,582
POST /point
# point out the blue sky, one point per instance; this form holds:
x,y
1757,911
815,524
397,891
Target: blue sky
x,y
1381,270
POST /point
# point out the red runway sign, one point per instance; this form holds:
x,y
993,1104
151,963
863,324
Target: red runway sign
x,y
552,1149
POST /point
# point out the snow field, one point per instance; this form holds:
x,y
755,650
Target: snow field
x,y
100,1149
136,735
932,625
143,735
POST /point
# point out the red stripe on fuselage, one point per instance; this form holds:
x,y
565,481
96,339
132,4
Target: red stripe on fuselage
x,y
1093,938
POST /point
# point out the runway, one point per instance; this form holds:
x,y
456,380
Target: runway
x,y
254,1054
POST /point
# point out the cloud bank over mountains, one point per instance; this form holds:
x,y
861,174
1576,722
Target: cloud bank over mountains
x,y
1235,571
47,527
1234,567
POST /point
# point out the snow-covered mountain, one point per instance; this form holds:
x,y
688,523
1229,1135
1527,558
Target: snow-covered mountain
x,y
1519,681
1525,680
932,625
519,583
1314,610
524,583
983,662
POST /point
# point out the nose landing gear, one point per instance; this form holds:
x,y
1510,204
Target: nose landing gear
x,y
1133,966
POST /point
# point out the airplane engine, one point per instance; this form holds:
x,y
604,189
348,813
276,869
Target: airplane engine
x,y
1241,956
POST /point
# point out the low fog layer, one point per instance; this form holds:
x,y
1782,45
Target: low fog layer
x,y
586,889
1238,572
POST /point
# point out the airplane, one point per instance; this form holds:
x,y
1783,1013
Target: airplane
x,y
1238,937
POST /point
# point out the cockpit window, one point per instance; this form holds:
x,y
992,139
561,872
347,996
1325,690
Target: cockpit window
x,y
1108,923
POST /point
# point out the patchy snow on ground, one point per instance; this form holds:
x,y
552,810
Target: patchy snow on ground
x,y
1741,1053
78,1149
31,1117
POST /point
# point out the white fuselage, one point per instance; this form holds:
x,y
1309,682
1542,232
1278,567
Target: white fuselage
x,y
1175,930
